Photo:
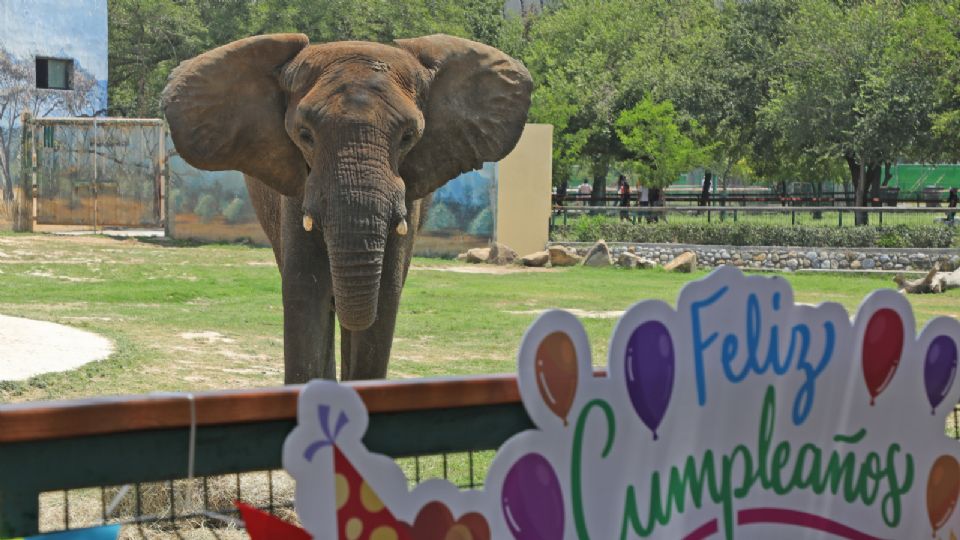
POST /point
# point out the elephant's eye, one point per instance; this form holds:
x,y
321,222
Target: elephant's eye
x,y
306,136
407,139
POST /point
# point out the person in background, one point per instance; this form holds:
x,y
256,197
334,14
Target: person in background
x,y
585,190
561,192
656,199
952,201
623,193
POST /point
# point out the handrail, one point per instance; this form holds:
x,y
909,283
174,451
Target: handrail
x,y
98,416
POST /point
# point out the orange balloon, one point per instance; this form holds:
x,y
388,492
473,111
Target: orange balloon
x,y
556,370
943,488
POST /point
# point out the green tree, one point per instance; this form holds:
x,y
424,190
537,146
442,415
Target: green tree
x,y
850,85
658,148
147,39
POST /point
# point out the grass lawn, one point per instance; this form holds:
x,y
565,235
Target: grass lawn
x,y
206,317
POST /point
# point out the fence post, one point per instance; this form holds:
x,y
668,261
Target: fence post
x,y
840,218
793,217
23,189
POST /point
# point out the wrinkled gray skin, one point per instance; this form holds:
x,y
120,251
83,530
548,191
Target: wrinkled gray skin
x,y
351,136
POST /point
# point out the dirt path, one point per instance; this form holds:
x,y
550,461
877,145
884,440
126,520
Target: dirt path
x,y
29,348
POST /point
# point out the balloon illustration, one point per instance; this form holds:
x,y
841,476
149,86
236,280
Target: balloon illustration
x,y
882,345
943,488
939,369
556,370
650,368
532,500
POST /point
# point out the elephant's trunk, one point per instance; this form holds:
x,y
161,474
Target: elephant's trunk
x,y
358,202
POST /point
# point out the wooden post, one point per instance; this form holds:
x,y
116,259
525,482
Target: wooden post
x,y
23,188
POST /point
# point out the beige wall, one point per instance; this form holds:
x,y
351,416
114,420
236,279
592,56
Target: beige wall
x,y
523,191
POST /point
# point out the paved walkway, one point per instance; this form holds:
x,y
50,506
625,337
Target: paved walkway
x,y
29,348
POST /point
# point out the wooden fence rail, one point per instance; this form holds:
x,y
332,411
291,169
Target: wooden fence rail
x,y
114,441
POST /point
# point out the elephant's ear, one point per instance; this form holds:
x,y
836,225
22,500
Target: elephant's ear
x,y
475,109
226,110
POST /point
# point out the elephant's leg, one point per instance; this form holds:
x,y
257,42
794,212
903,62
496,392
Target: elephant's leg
x,y
308,315
364,354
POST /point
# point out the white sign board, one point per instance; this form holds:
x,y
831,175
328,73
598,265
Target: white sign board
x,y
737,414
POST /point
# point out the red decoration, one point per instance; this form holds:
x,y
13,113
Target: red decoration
x,y
882,346
435,522
361,515
263,526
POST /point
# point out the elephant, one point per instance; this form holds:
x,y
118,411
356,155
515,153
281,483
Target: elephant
x,y
341,145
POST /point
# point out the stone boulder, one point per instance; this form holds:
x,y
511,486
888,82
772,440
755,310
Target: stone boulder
x,y
501,254
538,259
628,260
598,255
646,264
563,256
477,255
686,262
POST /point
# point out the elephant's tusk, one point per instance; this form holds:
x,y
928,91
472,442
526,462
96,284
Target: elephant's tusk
x,y
307,223
402,228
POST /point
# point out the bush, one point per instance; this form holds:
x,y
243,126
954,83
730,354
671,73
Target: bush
x,y
593,228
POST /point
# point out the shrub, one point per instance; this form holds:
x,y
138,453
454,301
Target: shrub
x,y
593,228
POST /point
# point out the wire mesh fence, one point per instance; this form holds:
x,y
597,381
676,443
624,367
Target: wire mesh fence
x,y
204,507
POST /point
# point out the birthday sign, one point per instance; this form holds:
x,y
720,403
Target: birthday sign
x,y
739,414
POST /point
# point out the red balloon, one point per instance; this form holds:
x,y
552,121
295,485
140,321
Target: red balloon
x,y
882,347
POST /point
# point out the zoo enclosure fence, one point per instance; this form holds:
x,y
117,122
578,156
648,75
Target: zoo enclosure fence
x,y
827,216
152,445
91,172
63,447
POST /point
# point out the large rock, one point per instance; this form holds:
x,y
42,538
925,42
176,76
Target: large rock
x,y
628,260
563,256
598,255
538,259
501,254
477,255
685,262
646,264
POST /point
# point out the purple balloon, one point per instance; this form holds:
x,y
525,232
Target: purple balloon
x,y
532,500
650,367
939,369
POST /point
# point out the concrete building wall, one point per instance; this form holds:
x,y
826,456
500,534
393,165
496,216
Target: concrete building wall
x,y
68,29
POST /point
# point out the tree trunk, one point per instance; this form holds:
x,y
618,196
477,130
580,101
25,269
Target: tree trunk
x,y
887,175
600,169
934,282
873,180
705,189
858,178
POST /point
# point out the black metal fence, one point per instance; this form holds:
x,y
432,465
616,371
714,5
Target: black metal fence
x,y
826,216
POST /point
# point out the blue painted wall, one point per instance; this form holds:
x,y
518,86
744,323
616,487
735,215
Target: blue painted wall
x,y
74,29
